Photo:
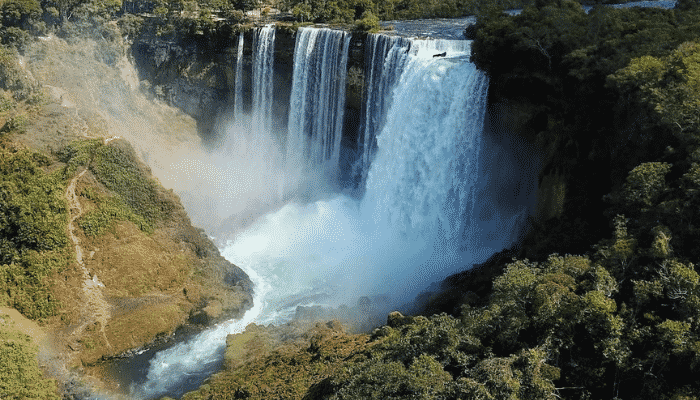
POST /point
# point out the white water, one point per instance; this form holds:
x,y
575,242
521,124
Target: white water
x,y
317,101
169,368
428,209
263,59
386,57
238,99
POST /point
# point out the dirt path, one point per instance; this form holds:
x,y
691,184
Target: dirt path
x,y
96,308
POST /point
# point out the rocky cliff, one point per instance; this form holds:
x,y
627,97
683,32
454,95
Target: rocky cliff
x,y
196,74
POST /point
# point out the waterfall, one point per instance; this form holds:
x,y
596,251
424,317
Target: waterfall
x,y
385,57
431,204
388,57
263,58
238,99
436,133
317,101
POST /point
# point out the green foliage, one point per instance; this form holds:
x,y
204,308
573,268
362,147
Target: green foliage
x,y
7,103
19,13
645,183
78,154
424,379
110,210
348,11
130,25
369,22
17,123
120,171
33,210
560,323
12,77
33,219
670,85
136,197
24,284
20,376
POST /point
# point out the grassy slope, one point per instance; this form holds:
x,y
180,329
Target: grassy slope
x,y
136,238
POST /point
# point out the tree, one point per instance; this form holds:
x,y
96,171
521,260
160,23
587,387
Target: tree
x,y
20,13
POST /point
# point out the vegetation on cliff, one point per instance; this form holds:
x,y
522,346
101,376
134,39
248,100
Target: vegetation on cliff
x,y
20,376
33,217
136,197
91,246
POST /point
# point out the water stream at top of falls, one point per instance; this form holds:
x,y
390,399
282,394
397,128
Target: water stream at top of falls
x,y
429,207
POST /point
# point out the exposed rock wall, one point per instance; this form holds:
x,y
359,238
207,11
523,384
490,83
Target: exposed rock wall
x,y
200,79
184,75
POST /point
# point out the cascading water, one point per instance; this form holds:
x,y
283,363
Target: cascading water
x,y
263,59
386,56
427,210
436,134
238,98
317,101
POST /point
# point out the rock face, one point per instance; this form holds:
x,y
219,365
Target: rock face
x,y
198,75
184,75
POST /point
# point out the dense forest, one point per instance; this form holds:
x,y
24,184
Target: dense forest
x,y
600,301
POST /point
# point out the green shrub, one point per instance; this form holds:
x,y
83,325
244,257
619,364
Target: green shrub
x,y
130,25
20,376
17,123
33,219
7,103
110,210
119,170
33,211
368,23
78,154
136,195
12,77
19,13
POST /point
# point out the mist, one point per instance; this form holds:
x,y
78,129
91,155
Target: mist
x,y
441,186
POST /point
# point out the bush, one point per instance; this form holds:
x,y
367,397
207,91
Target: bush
x,y
17,123
7,103
119,170
137,198
20,13
33,224
110,210
12,77
20,376
369,22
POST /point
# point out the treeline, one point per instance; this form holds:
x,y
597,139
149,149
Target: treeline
x,y
347,11
22,19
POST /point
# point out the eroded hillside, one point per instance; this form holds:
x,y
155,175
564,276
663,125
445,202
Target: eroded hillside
x,y
93,246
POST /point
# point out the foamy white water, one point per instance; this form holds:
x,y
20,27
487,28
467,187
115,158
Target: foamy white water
x,y
170,368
